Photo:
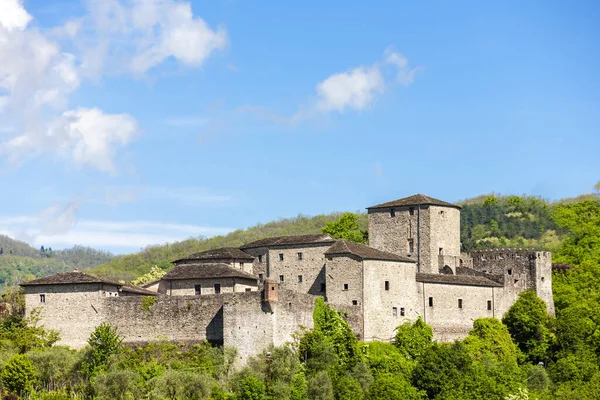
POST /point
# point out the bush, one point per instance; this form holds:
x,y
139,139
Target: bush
x,y
18,375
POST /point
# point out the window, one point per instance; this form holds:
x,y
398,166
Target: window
x,y
489,304
217,288
354,302
280,256
542,279
322,287
248,289
260,276
241,265
441,251
281,278
345,286
509,271
392,213
411,211
42,298
459,303
402,313
260,258
299,256
442,213
431,302
411,246
394,311
197,290
299,278
387,285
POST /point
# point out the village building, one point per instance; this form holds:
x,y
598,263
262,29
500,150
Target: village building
x,y
263,292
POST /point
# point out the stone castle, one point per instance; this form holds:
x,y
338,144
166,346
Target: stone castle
x,y
263,292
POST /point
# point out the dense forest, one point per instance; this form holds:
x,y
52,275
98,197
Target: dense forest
x,y
526,355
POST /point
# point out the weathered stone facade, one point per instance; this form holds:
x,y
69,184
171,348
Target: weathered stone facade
x,y
189,287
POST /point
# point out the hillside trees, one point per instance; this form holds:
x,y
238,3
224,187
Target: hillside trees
x,y
346,227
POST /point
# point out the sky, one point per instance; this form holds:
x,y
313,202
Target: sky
x,y
126,123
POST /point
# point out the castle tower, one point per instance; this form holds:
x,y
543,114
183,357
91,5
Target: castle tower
x,y
421,227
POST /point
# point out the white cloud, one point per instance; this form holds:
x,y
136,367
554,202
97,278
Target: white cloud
x,y
13,15
354,89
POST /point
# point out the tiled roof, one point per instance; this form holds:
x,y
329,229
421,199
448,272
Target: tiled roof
x,y
289,240
417,199
76,277
219,254
464,280
365,252
205,271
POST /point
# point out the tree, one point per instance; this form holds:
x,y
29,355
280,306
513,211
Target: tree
x,y
346,227
252,389
104,342
18,375
413,340
393,387
528,322
320,387
299,387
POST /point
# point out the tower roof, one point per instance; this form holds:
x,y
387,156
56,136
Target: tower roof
x,y
289,241
415,200
343,247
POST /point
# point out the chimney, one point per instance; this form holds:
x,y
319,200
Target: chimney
x,y
270,289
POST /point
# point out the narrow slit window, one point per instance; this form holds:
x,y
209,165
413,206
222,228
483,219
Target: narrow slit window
x,y
431,302
299,256
394,311
280,256
299,278
387,285
411,246
392,213
42,298
441,251
197,290
260,276
411,211
345,286
260,258
509,272
460,303
402,312
241,265
217,288
489,304
281,278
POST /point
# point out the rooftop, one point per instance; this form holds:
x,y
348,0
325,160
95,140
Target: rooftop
x,y
206,271
289,240
77,277
465,280
219,254
365,252
415,200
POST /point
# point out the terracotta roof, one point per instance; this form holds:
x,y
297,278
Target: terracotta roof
x,y
365,252
415,200
463,280
289,240
205,271
76,277
219,254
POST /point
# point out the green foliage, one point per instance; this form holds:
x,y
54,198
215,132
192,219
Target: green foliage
x,y
386,358
55,368
346,227
393,387
412,340
299,387
117,385
18,375
320,387
252,389
183,385
148,302
25,333
154,274
489,338
103,343
528,322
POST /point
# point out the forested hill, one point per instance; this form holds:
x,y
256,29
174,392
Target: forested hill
x,y
19,261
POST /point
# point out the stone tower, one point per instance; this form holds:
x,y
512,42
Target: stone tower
x,y
421,227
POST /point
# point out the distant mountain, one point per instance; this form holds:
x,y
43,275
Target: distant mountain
x,y
20,261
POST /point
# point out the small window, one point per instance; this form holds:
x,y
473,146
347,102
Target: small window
x,y
489,304
345,286
42,298
441,251
197,290
392,213
241,265
322,287
442,213
542,279
299,278
509,271
459,303
299,256
394,311
260,258
217,288
354,302
411,246
248,289
281,278
402,313
280,256
260,276
411,211
387,285
431,302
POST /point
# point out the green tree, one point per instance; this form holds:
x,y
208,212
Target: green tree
x,y
103,342
528,322
117,385
320,387
412,340
18,375
299,387
393,387
252,389
346,227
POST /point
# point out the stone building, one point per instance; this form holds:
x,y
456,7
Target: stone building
x,y
263,292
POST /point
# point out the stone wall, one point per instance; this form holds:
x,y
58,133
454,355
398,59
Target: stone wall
x,y
259,266
380,318
186,287
311,268
445,235
244,265
342,270
448,321
392,233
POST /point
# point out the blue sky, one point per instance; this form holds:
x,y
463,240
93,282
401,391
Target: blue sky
x,y
126,123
